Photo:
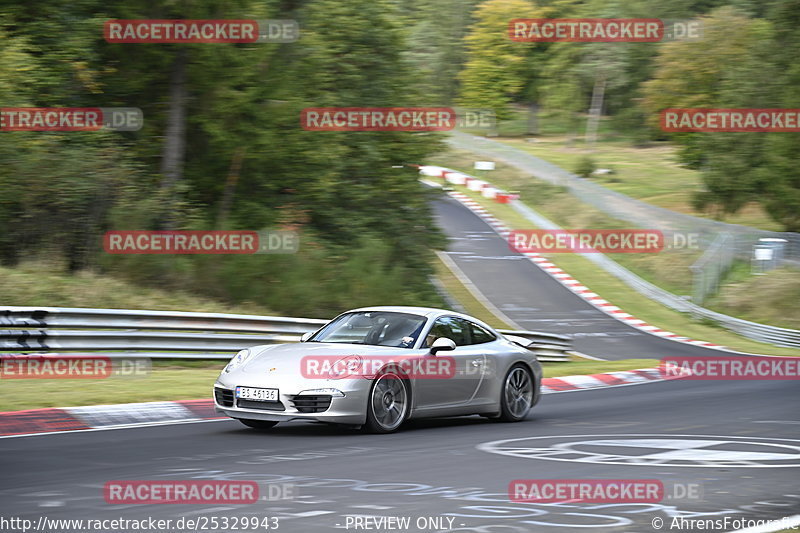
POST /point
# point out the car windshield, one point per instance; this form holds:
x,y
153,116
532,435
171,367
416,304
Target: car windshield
x,y
377,328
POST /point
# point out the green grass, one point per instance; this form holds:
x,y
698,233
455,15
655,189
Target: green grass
x,y
176,380
651,174
39,284
574,368
619,294
772,298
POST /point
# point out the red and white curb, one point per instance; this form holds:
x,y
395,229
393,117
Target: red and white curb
x,y
598,381
573,284
93,417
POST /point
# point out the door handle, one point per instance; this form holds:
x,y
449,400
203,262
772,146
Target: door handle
x,y
477,362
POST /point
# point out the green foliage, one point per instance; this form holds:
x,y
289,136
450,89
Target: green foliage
x,y
321,280
371,224
736,68
585,167
495,70
436,49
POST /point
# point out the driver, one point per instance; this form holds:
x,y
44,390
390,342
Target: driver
x,y
438,330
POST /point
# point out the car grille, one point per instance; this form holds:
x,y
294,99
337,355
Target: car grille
x,y
264,406
224,397
307,403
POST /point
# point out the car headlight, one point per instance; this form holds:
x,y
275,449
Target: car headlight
x,y
238,360
346,367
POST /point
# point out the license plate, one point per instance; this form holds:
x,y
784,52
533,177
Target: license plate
x,y
262,395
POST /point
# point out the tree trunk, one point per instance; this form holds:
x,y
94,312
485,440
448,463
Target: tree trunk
x,y
595,110
174,151
533,119
230,187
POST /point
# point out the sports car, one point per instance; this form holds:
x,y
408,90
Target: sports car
x,y
377,367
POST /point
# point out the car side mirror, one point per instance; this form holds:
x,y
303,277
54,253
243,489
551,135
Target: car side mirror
x,y
442,344
307,335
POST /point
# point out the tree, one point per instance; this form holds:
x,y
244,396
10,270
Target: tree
x,y
495,72
436,48
727,71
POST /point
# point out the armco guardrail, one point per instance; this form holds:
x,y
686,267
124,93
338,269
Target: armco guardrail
x,y
548,346
177,335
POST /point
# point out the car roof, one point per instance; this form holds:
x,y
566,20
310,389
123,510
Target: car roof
x,y
424,311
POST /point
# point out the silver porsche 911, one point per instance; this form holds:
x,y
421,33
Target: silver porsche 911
x,y
377,367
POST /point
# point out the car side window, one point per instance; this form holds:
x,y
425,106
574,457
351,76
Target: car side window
x,y
480,334
453,328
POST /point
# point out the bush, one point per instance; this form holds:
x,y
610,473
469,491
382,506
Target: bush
x,y
585,167
319,281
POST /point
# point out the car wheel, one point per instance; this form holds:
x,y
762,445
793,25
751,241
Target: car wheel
x,y
257,424
388,404
516,396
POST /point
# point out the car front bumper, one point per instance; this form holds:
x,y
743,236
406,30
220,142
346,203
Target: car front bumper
x,y
292,405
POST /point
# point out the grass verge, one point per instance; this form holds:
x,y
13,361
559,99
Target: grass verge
x,y
168,380
36,284
647,170
574,368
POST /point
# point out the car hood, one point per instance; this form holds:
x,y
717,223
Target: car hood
x,y
277,359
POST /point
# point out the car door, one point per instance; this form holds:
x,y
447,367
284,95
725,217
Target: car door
x,y
489,345
459,389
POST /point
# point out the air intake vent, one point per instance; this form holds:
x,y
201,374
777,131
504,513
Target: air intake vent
x,y
224,397
307,403
264,406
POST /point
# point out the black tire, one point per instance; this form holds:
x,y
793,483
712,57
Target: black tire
x,y
516,396
388,403
257,424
